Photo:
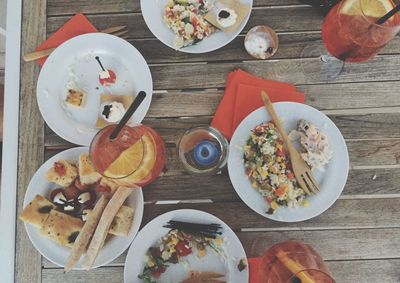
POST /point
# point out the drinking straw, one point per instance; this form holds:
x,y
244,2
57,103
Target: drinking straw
x,y
389,15
128,114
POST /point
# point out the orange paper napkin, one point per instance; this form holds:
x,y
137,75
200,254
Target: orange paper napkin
x,y
254,265
242,96
77,25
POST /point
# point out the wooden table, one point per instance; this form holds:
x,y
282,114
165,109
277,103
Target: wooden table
x,y
358,236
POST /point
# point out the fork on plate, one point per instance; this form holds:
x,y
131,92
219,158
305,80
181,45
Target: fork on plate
x,y
301,170
120,31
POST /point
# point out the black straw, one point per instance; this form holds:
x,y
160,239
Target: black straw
x,y
128,114
389,15
101,65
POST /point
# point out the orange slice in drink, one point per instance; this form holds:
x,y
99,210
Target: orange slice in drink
x,y
370,8
127,162
146,166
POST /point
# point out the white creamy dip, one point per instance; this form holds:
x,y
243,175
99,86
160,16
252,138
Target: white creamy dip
x,y
116,111
225,20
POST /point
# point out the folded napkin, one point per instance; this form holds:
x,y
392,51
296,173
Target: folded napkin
x,y
242,96
77,25
254,265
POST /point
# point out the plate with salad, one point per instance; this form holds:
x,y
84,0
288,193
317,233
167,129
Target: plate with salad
x,y
261,172
183,246
196,26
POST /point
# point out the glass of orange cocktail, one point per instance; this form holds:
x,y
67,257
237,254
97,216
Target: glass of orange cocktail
x,y
135,156
293,262
352,31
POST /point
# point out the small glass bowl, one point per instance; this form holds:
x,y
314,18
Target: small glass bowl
x,y
203,150
261,42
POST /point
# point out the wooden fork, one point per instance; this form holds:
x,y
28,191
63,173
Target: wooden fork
x,y
301,170
119,31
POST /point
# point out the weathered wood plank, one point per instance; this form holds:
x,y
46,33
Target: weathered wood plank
x,y
290,46
366,126
279,18
212,75
340,245
63,7
31,136
343,272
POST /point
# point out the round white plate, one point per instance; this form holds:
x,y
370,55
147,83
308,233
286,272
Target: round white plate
x,y
331,182
153,11
154,231
73,64
58,254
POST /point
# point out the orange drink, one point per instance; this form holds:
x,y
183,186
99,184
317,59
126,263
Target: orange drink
x,y
351,32
135,157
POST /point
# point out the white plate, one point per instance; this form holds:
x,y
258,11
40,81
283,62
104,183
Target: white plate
x,y
58,254
331,182
73,64
153,11
154,231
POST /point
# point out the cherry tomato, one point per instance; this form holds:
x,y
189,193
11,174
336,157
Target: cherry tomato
x,y
183,248
108,81
80,186
268,199
290,175
280,191
280,152
60,168
160,270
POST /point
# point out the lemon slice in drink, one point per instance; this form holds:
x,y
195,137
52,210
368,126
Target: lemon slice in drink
x,y
370,8
127,162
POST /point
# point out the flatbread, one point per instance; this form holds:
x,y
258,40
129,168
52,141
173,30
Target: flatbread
x,y
103,227
240,9
37,211
71,172
86,233
126,100
61,228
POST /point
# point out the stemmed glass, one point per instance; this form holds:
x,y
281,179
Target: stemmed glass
x,y
353,31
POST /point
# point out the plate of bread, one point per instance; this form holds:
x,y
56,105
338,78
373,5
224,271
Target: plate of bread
x,y
76,218
89,82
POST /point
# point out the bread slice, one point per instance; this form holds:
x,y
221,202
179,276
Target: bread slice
x,y
61,228
126,100
37,211
76,98
66,178
87,173
122,222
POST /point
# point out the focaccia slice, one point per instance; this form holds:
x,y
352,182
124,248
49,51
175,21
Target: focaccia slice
x,y
62,173
87,173
61,228
37,211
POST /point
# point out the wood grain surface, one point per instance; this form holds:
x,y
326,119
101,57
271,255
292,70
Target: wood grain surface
x,y
357,236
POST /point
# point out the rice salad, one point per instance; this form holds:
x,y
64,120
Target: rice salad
x,y
186,19
268,167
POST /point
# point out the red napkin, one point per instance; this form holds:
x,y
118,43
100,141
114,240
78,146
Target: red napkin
x,y
77,25
254,265
242,96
